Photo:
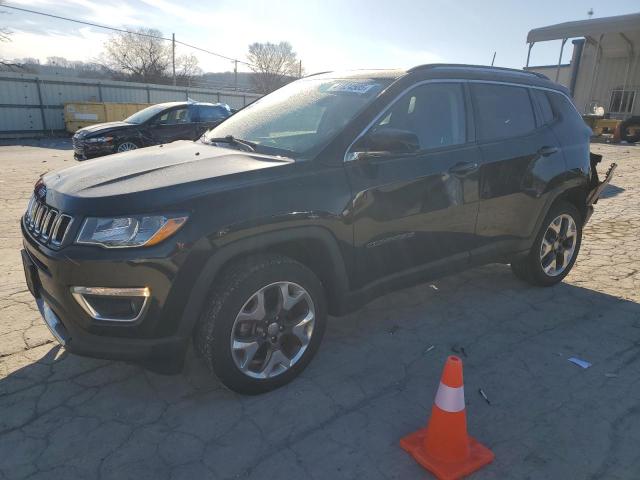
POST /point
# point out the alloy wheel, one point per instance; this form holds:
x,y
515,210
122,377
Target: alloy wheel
x,y
126,146
558,245
272,330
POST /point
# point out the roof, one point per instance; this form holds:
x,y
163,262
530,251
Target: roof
x,y
448,71
389,74
586,28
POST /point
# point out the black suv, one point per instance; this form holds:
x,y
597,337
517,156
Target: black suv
x,y
312,201
161,123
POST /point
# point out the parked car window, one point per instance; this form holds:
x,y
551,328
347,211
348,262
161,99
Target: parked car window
x,y
545,105
175,116
145,114
208,113
503,111
302,117
435,113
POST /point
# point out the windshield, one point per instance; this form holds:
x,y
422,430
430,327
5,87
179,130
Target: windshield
x,y
302,117
144,115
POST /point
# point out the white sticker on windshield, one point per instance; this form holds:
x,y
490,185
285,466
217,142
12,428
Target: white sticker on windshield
x,y
352,87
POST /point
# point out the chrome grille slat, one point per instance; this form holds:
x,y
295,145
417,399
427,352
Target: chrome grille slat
x,y
45,224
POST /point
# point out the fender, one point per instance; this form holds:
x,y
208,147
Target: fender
x,y
335,289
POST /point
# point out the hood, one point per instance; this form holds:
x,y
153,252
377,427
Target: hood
x,y
150,178
103,128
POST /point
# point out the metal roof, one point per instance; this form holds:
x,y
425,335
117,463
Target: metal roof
x,y
592,28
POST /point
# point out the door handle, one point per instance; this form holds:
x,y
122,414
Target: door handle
x,y
546,151
463,168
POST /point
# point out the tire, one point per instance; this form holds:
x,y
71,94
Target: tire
x,y
225,322
624,126
531,268
126,146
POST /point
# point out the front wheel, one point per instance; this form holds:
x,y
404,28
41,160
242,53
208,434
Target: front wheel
x,y
126,146
264,323
555,248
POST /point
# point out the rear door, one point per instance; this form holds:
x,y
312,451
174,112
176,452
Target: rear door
x,y
208,116
415,209
520,154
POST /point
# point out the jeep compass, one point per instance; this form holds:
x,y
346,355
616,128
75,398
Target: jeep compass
x,y
310,202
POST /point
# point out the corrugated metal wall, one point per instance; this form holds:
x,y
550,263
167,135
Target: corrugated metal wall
x,y
609,76
33,104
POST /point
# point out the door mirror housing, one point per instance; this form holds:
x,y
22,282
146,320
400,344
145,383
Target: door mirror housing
x,y
385,141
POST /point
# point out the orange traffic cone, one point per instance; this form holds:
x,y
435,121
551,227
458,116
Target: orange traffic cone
x,y
444,447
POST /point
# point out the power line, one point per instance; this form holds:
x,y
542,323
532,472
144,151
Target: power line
x,y
121,30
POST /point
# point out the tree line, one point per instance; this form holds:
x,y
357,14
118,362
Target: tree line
x,y
142,56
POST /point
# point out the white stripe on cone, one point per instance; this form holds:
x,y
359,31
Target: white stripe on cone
x,y
450,399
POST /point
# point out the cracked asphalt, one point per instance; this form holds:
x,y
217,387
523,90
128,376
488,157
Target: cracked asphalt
x,y
373,380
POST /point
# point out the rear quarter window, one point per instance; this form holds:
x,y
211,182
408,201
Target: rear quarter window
x,y
502,111
544,104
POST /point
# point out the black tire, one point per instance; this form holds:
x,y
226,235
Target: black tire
x,y
624,126
529,268
236,286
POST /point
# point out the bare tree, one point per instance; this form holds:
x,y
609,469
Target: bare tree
x,y
5,36
273,64
144,57
187,67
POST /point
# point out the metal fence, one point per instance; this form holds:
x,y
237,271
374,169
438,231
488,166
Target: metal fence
x,y
34,104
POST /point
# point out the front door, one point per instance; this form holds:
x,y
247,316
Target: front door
x,y
171,125
415,209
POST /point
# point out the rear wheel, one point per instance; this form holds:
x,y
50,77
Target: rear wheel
x,y
265,320
555,248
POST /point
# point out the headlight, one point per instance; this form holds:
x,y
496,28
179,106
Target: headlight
x,y
99,139
134,231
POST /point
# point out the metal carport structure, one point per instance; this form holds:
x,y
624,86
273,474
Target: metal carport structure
x,y
605,63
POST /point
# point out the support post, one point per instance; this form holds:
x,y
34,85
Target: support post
x,y
173,57
148,94
529,52
594,71
100,91
42,112
564,40
235,75
626,72
300,69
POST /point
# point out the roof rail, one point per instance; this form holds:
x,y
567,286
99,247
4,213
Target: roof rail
x,y
317,73
484,67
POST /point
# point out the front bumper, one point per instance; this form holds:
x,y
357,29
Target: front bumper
x,y
83,150
154,339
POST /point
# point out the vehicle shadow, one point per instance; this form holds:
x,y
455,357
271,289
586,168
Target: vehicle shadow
x,y
372,382
55,143
611,191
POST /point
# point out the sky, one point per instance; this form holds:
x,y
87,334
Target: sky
x,y
326,34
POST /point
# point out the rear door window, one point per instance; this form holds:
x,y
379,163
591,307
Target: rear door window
x,y
502,111
544,104
208,113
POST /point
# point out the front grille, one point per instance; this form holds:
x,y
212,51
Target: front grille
x,y
78,145
47,225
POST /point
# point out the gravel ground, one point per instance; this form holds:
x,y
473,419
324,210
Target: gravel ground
x,y
372,382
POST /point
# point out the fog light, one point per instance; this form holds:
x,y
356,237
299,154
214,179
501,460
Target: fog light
x,y
113,304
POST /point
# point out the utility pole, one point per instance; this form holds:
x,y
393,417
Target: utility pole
x,y
235,74
173,56
300,69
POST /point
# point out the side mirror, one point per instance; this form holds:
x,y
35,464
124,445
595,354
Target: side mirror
x,y
385,141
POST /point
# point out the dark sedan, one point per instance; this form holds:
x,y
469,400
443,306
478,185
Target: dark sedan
x,y
161,123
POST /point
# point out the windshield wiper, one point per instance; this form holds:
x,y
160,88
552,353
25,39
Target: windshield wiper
x,y
231,140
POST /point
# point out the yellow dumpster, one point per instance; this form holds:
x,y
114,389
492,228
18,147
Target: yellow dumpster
x,y
82,114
